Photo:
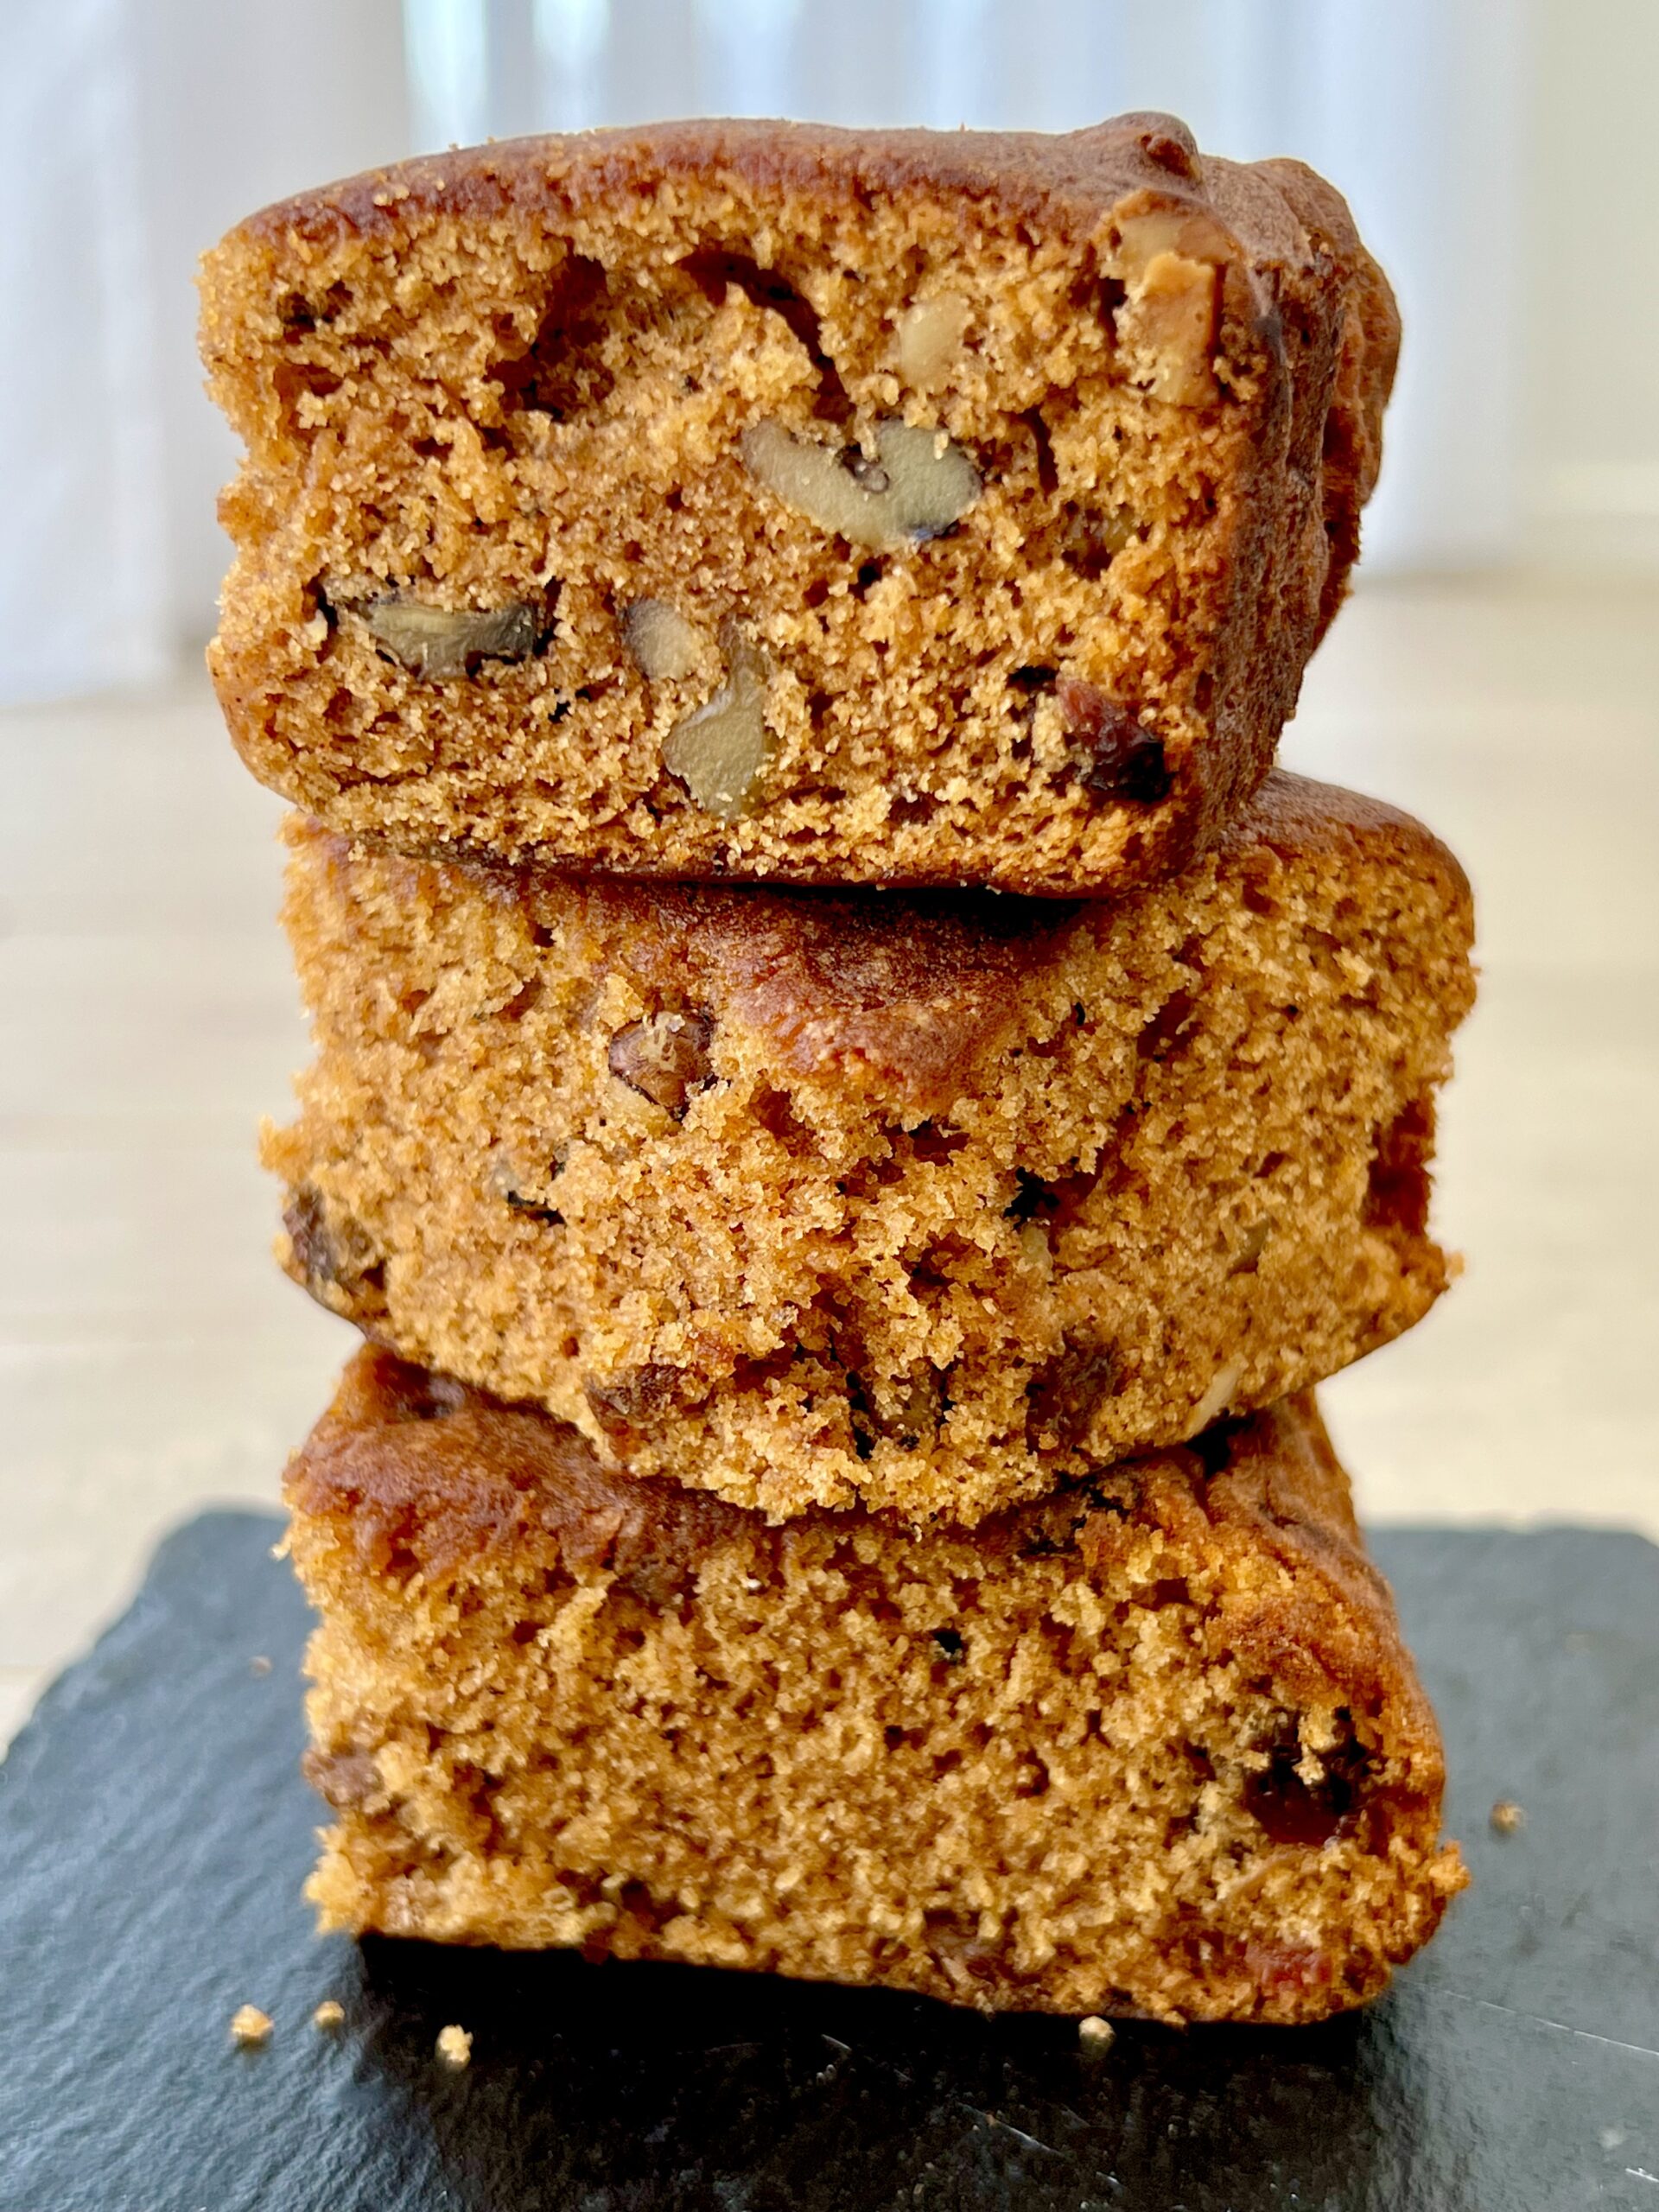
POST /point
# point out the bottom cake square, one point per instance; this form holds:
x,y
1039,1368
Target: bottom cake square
x,y
1151,1745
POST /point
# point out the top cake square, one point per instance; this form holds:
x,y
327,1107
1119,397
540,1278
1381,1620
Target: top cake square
x,y
766,501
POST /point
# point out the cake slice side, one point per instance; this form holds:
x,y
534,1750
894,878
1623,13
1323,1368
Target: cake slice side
x,y
1152,1747
928,1202
617,500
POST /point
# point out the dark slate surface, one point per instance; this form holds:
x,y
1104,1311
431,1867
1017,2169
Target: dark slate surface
x,y
153,1836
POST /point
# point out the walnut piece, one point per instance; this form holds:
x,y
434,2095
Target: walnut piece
x,y
918,485
1216,1398
434,642
1166,326
929,339
664,645
719,753
665,1057
633,1399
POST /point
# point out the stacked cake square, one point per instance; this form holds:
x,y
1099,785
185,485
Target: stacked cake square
x,y
852,1104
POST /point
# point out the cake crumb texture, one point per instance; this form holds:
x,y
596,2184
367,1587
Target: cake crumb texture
x,y
924,1201
778,502
1151,1745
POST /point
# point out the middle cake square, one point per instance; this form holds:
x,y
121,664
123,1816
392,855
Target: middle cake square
x,y
921,1201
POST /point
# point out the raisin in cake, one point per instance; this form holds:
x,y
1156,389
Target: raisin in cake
x,y
924,1200
772,501
1150,1746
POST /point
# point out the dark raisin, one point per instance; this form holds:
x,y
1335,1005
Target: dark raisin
x,y
333,1256
1119,757
1293,1811
1061,1398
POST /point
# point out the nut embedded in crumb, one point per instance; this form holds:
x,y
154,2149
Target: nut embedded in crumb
x,y
329,2014
665,1057
1166,328
439,641
1508,1818
250,2026
718,752
929,339
664,646
1096,2035
455,2047
1216,1398
919,484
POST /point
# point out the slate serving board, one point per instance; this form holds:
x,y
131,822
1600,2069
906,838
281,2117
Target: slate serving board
x,y
154,1835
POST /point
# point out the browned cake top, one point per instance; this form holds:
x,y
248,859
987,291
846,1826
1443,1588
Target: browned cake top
x,y
1063,184
1277,229
914,990
430,1475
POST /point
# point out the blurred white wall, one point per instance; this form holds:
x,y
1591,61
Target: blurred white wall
x,y
132,134
239,104
1590,451
1498,154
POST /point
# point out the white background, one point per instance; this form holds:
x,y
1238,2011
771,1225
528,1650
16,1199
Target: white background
x,y
1501,155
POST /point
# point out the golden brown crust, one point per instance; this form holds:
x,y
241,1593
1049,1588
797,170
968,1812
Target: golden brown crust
x,y
432,1473
1197,640
912,995
549,1699
1063,184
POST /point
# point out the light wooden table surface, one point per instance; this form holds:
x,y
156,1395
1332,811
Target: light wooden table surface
x,y
154,1359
